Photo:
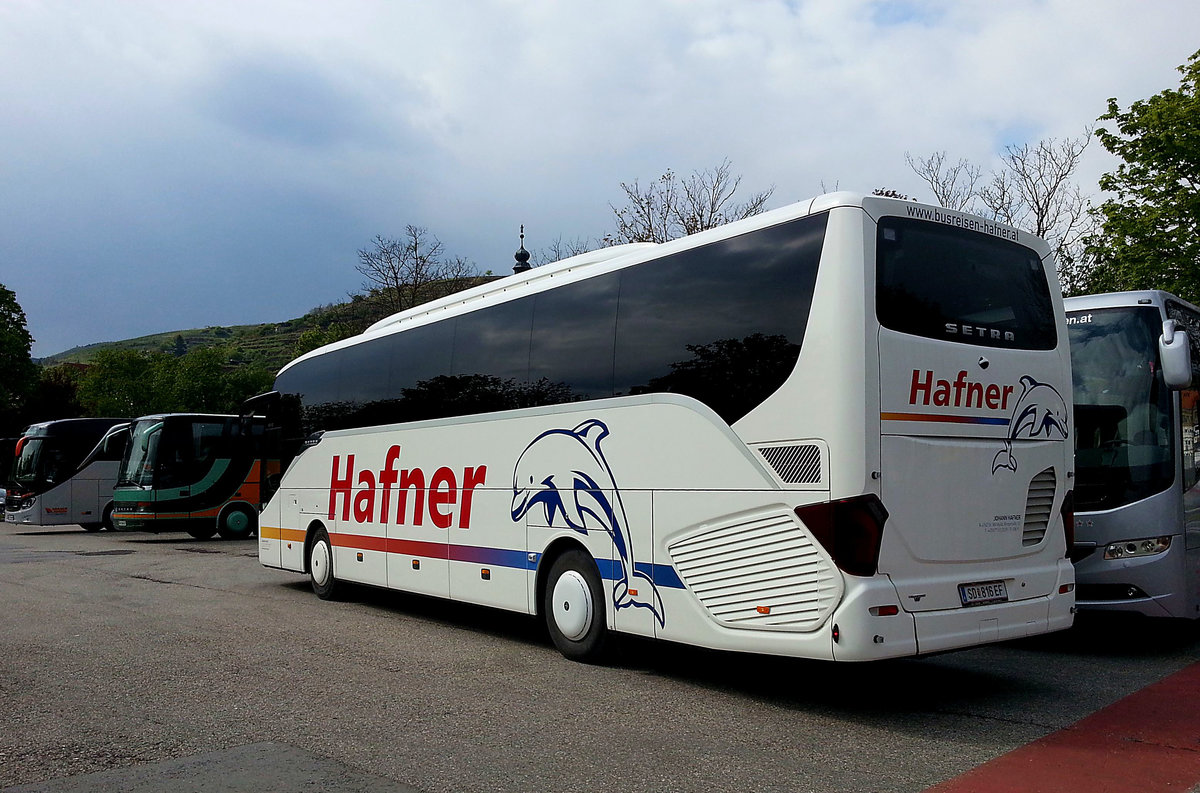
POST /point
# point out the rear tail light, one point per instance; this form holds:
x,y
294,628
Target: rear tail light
x,y
1068,518
851,530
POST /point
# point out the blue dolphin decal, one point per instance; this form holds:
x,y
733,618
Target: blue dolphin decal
x,y
1040,412
565,473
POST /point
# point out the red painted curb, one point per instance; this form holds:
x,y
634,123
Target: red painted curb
x,y
1145,743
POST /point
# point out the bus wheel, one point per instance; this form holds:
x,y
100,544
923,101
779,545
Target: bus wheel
x,y
237,523
107,521
573,606
202,532
92,526
320,565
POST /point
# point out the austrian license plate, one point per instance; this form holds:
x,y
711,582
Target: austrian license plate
x,y
983,593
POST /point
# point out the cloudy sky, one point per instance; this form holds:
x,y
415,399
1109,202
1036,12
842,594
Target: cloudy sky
x,y
172,165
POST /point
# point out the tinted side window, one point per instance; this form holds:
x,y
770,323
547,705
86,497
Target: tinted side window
x,y
722,323
965,286
571,352
316,383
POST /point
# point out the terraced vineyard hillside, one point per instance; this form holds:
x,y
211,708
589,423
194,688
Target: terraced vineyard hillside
x,y
269,345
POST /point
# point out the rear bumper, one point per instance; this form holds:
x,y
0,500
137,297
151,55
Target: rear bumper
x,y
938,631
867,638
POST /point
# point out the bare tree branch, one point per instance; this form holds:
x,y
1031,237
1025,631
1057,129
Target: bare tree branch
x,y
953,186
670,207
411,270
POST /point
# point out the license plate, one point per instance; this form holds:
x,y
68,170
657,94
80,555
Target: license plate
x,y
983,593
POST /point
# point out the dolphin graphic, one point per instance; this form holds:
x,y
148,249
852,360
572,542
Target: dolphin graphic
x,y
564,472
1040,412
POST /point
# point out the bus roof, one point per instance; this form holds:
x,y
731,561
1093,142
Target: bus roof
x,y
72,427
605,260
1145,297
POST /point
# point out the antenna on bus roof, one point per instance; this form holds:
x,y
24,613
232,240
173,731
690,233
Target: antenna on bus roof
x,y
522,256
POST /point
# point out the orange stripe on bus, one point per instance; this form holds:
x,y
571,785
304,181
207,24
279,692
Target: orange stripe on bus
x,y
279,533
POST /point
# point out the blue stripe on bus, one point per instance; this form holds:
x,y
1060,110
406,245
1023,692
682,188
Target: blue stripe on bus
x,y
661,574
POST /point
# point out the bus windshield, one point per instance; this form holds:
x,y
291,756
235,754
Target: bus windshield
x,y
137,468
1123,436
43,462
174,451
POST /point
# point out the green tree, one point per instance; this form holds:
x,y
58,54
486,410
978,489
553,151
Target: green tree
x,y
1150,235
56,395
127,383
18,373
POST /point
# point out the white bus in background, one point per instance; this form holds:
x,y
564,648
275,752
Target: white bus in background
x,y
1137,496
63,473
835,430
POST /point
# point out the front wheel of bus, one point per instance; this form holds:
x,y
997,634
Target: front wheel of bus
x,y
573,606
320,565
237,523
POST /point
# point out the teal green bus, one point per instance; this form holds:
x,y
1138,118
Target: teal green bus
x,y
200,473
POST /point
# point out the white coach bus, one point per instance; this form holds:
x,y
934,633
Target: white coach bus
x,y
63,473
836,430
1136,369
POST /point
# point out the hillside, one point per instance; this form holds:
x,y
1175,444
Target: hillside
x,y
271,344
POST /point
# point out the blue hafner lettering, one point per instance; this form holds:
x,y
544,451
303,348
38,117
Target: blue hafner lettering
x,y
927,389
437,496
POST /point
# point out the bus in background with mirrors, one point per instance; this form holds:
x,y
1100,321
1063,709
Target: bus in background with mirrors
x,y
1134,358
63,472
835,430
199,473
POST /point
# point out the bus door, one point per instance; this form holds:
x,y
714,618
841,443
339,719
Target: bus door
x,y
193,469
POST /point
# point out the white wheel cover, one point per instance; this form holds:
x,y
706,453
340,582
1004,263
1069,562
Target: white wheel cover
x,y
320,563
572,605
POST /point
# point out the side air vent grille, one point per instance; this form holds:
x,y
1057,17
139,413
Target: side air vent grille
x,y
761,572
1038,506
796,465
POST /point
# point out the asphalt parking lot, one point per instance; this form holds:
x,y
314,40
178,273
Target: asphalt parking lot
x,y
159,662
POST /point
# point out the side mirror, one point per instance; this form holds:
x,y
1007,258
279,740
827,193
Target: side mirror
x,y
1175,353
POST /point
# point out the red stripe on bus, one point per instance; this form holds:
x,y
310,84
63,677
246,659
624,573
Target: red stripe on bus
x,y
364,542
1144,742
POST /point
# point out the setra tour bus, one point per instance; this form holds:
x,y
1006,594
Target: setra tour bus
x,y
1135,358
63,473
200,473
835,430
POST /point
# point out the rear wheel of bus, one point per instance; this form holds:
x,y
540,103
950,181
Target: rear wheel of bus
x,y
573,607
237,522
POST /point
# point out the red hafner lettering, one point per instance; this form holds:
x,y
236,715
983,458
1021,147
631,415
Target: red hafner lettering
x,y
926,389
441,497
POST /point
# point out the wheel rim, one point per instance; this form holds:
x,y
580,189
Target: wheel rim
x,y
319,563
237,521
572,605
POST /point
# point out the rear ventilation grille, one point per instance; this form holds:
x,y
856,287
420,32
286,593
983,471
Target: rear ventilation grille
x,y
796,465
762,572
1038,506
